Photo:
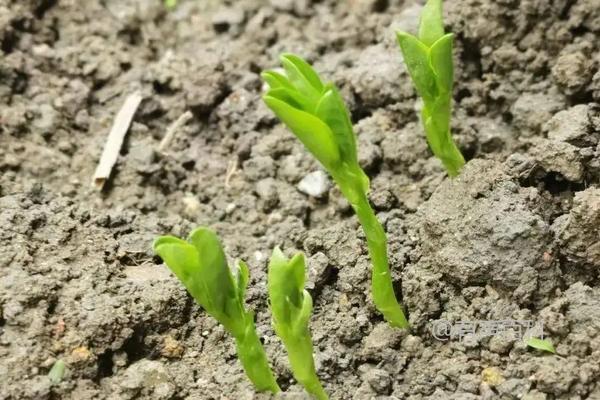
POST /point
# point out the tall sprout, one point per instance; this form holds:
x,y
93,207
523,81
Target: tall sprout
x,y
317,115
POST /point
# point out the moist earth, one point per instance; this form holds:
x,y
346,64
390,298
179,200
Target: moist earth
x,y
515,237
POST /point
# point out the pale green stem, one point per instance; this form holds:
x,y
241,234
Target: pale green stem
x,y
253,358
300,354
382,288
440,141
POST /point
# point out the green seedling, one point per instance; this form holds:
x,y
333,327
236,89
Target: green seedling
x,y
291,306
57,372
429,62
201,266
541,344
170,4
316,114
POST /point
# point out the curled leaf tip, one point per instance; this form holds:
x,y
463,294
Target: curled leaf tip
x,y
431,26
278,255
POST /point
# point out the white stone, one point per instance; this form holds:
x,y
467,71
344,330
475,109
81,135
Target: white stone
x,y
315,184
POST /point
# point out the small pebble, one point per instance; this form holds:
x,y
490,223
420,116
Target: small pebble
x,y
315,184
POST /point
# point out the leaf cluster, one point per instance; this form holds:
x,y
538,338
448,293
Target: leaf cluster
x,y
201,265
315,112
292,307
428,58
290,303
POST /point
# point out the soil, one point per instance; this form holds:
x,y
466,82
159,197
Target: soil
x,y
515,237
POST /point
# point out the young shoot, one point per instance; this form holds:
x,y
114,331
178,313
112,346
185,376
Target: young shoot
x,y
541,344
57,372
201,266
291,306
170,4
315,112
429,62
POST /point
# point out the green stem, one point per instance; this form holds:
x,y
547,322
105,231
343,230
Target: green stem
x,y
381,280
314,387
444,148
300,354
436,119
253,358
452,158
382,288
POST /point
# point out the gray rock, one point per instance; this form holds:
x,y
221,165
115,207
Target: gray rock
x,y
554,322
350,330
259,167
291,201
293,167
204,91
492,135
572,72
579,233
136,10
559,157
369,155
148,377
469,383
532,110
421,287
405,148
471,227
549,369
382,199
47,119
379,77
142,155
515,388
502,343
318,270
573,126
583,311
240,112
382,340
575,344
266,189
379,380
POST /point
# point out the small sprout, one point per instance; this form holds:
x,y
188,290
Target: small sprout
x,y
541,344
315,112
429,62
292,306
170,4
201,266
57,372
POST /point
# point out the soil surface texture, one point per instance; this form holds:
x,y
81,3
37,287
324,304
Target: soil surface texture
x,y
516,237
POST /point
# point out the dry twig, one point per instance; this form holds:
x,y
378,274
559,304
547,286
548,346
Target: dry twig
x,y
115,139
172,130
